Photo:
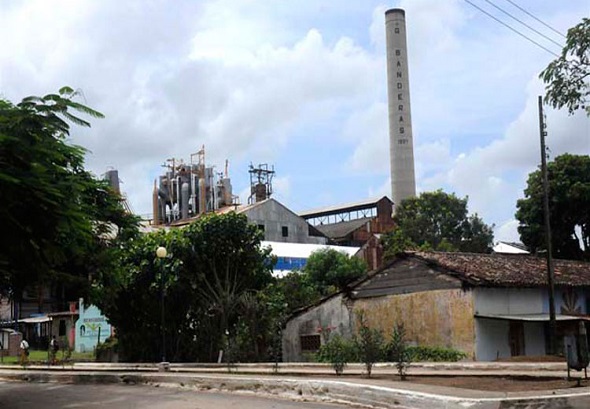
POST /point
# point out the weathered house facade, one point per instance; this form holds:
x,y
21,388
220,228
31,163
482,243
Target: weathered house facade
x,y
489,306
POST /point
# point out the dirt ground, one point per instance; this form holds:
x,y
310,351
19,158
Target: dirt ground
x,y
500,384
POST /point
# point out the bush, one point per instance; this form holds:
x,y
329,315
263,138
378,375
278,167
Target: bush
x,y
106,351
435,354
337,351
369,344
397,350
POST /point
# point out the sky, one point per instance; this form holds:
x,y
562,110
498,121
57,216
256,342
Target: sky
x,y
301,85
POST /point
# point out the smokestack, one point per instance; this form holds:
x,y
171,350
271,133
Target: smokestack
x,y
155,205
401,143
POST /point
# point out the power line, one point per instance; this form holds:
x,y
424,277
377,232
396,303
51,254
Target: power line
x,y
513,29
539,20
524,24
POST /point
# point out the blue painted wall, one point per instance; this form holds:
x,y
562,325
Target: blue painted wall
x,y
87,327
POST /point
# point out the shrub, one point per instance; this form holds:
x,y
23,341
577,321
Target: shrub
x,y
435,354
397,350
337,351
105,351
369,343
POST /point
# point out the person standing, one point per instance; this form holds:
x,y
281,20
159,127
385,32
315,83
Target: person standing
x,y
53,348
24,352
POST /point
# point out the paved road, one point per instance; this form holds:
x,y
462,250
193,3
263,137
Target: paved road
x,y
56,396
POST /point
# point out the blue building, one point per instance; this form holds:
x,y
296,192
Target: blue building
x,y
91,328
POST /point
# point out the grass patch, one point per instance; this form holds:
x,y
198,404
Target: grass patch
x,y
41,357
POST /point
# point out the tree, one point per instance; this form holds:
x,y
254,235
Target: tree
x,y
212,264
329,270
567,76
397,350
337,351
438,221
55,213
569,204
296,290
369,342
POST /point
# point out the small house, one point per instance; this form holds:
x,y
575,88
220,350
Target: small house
x,y
490,306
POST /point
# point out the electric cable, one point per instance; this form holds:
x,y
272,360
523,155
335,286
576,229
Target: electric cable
x,y
524,24
539,20
513,29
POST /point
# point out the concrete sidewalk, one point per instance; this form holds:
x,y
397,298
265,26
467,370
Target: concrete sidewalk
x,y
314,386
536,370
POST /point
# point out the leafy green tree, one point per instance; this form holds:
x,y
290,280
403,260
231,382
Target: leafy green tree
x,y
397,350
56,214
297,290
369,342
567,76
569,204
329,270
211,265
338,351
395,243
438,221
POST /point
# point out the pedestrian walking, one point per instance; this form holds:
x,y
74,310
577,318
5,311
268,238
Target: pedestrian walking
x,y
24,352
53,349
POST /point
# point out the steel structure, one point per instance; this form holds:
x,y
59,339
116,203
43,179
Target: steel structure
x,y
187,190
260,182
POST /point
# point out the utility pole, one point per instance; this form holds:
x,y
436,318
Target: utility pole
x,y
550,277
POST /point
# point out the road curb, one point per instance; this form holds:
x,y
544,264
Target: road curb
x,y
304,389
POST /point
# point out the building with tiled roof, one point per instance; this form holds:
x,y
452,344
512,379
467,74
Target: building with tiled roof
x,y
490,306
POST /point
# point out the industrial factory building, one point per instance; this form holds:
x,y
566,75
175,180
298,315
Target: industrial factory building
x,y
186,191
358,224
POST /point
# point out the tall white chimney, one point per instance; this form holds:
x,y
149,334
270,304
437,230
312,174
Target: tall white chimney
x,y
401,142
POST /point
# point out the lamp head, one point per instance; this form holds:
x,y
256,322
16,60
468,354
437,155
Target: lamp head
x,y
161,252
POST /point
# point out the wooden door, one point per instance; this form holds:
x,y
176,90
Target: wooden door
x,y
516,338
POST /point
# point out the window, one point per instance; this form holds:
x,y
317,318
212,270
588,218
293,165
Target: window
x,y
285,231
310,342
62,328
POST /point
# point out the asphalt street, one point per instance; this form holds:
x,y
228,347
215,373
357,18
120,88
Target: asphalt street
x,y
14,395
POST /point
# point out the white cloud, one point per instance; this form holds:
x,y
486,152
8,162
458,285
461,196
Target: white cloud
x,y
281,187
169,79
246,78
507,231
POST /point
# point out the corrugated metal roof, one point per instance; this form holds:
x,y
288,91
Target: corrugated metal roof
x,y
342,229
362,204
35,320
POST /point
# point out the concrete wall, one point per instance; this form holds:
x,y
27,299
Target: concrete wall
x,y
508,300
70,333
491,339
89,326
274,216
332,313
437,318
492,336
567,301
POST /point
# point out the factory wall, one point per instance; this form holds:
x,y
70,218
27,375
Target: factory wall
x,y
328,318
281,224
442,318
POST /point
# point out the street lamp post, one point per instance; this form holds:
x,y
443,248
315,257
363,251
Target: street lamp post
x,y
161,254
